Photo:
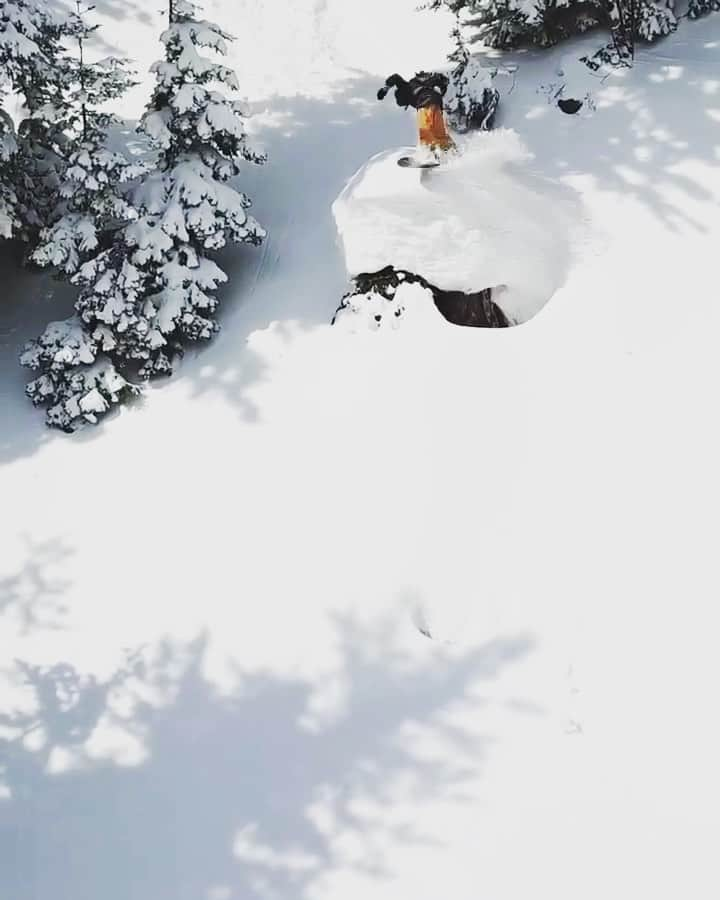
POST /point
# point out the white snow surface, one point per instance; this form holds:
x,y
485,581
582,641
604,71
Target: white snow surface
x,y
216,679
460,226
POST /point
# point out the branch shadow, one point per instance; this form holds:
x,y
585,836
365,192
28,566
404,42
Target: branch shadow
x,y
116,11
239,795
32,598
653,124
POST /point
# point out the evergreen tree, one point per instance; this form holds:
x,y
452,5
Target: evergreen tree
x,y
699,8
34,35
186,207
9,215
471,100
511,23
153,288
77,382
30,47
90,199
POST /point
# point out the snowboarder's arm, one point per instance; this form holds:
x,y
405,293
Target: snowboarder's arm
x,y
392,81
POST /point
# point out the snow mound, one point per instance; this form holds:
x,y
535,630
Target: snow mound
x,y
481,220
369,311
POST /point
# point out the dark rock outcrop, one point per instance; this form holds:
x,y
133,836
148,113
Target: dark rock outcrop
x,y
569,105
477,310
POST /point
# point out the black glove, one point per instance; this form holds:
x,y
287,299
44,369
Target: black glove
x,y
382,93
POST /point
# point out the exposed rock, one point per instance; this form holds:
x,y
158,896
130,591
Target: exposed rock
x,y
383,298
570,106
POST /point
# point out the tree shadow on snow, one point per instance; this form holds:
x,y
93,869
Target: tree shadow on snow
x,y
128,9
32,598
135,11
651,124
233,796
28,301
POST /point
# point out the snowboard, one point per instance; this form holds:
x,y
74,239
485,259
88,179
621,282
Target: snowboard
x,y
407,162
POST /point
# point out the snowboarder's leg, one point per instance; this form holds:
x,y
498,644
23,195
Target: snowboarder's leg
x,y
432,131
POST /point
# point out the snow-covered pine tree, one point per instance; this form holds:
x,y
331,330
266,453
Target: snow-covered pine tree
x,y
697,8
32,45
511,23
9,216
156,289
91,197
651,20
77,382
630,21
30,36
471,100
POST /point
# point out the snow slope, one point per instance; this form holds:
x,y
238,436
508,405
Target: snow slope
x,y
213,681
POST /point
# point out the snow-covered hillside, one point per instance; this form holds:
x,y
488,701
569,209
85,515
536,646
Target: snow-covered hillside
x,y
215,682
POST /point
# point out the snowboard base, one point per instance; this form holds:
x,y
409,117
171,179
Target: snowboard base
x,y
407,162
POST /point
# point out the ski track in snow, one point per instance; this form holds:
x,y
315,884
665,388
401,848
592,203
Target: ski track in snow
x,y
213,682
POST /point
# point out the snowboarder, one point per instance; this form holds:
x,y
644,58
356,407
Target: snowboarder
x,y
424,93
